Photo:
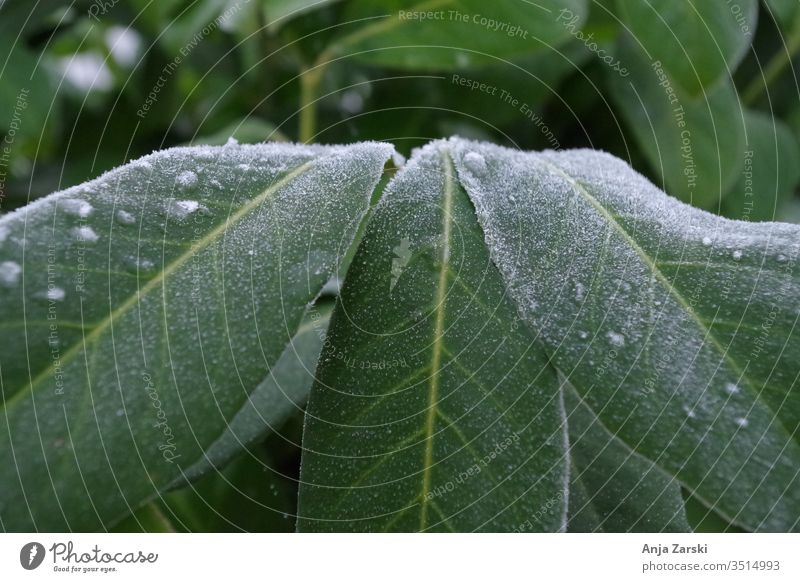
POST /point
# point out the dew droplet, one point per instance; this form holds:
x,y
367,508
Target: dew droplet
x,y
9,273
475,163
180,209
85,234
731,388
742,422
580,292
706,241
583,334
737,255
76,207
186,180
689,412
125,218
781,258
55,294
616,339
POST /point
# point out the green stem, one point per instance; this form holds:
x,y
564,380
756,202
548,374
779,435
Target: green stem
x,y
775,66
309,87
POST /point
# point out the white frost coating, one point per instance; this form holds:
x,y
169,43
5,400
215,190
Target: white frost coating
x,y
398,159
9,273
475,162
180,209
187,180
3,233
85,234
76,207
55,294
124,217
586,217
580,292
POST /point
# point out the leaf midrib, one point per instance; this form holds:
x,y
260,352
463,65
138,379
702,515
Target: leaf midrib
x,y
673,291
436,356
154,283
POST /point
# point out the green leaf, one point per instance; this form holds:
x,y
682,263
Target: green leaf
x,y
141,309
26,95
698,42
283,393
149,518
280,12
444,34
675,326
694,144
246,130
611,487
251,494
433,407
769,173
783,11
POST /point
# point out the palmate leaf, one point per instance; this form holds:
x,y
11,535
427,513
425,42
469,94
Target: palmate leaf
x,y
139,311
675,326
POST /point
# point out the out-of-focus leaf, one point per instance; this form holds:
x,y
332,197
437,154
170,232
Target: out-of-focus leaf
x,y
770,170
445,34
694,144
697,42
247,130
784,11
279,12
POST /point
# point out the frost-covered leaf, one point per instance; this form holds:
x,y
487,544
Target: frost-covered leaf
x,y
611,487
444,34
694,144
139,310
698,42
434,409
283,393
675,326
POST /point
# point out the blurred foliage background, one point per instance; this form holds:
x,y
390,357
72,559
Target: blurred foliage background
x,y
701,96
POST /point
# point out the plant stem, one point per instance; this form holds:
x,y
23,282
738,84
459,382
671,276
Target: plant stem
x,y
309,86
775,66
